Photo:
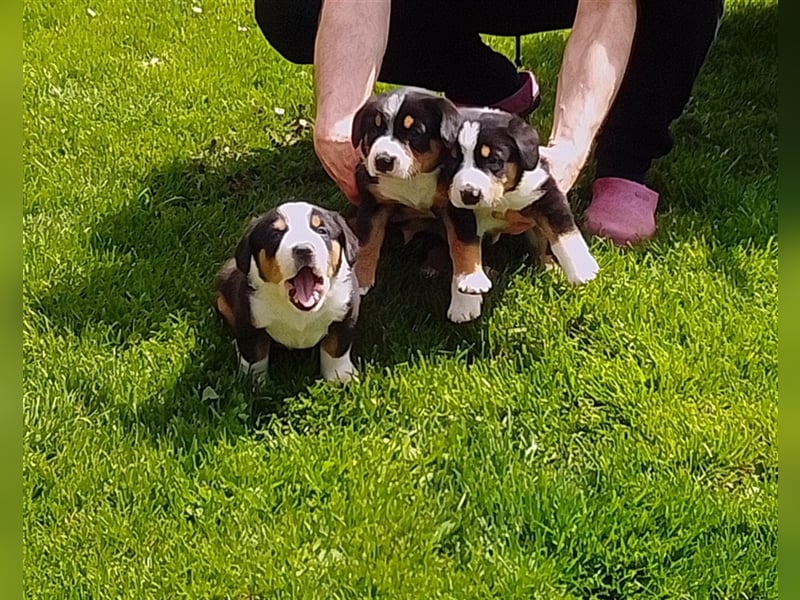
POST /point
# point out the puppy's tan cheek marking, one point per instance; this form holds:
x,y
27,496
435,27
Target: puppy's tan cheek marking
x,y
497,188
225,309
279,224
268,268
315,221
334,258
511,178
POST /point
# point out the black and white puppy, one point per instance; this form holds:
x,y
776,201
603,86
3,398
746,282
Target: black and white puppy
x,y
403,136
291,281
500,184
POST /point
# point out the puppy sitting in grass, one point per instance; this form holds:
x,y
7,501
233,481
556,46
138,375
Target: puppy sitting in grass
x,y
292,282
500,184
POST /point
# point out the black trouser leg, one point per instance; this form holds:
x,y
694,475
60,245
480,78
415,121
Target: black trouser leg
x,y
672,40
435,45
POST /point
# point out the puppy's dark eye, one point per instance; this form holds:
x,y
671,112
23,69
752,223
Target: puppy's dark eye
x,y
321,230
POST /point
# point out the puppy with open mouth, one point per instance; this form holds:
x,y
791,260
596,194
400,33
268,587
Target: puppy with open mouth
x,y
500,184
292,282
403,136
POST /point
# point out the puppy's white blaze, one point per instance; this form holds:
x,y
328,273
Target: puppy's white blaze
x,y
393,103
574,258
336,369
468,139
299,233
471,178
463,307
528,190
392,147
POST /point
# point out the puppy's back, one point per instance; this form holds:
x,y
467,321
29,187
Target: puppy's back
x,y
230,294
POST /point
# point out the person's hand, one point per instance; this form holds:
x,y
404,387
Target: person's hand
x,y
565,163
339,159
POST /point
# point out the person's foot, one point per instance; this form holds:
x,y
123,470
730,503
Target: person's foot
x,y
522,102
621,210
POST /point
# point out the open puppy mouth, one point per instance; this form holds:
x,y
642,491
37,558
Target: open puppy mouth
x,y
305,289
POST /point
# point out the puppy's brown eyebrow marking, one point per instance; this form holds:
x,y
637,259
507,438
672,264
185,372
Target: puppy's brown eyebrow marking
x,y
315,221
408,122
485,151
279,224
378,119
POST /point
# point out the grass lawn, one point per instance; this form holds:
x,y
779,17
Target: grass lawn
x,y
612,441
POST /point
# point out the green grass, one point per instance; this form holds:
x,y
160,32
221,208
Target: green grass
x,y
612,441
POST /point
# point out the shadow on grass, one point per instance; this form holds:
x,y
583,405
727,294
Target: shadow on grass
x,y
153,262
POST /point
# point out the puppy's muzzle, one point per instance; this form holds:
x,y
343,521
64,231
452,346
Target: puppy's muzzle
x,y
384,163
471,196
303,255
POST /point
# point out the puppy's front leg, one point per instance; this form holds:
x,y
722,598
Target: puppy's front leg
x,y
334,350
469,280
253,347
371,221
539,248
553,215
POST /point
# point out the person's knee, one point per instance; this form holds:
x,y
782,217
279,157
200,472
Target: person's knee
x,y
290,26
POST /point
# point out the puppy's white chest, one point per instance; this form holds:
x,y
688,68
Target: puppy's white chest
x,y
271,310
417,192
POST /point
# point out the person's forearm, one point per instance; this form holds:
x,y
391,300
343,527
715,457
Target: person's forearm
x,y
594,62
351,41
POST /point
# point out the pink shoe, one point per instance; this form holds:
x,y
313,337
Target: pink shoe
x,y
522,102
621,210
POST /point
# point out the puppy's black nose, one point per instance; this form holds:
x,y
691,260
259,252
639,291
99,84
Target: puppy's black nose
x,y
303,254
471,196
384,163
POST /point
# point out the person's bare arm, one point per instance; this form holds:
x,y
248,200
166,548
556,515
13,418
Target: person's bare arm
x,y
594,62
351,41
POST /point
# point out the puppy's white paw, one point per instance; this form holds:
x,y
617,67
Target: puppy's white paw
x,y
338,370
464,307
582,270
474,283
575,259
257,370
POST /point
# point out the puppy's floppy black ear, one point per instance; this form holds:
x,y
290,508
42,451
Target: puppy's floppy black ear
x,y
347,238
451,121
362,118
243,250
527,141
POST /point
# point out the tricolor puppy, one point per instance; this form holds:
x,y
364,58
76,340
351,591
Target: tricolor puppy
x,y
291,282
500,184
403,136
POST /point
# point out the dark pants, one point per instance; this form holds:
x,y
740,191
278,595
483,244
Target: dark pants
x,y
437,45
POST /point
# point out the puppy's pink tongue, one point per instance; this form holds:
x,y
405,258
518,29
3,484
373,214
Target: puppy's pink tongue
x,y
304,287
